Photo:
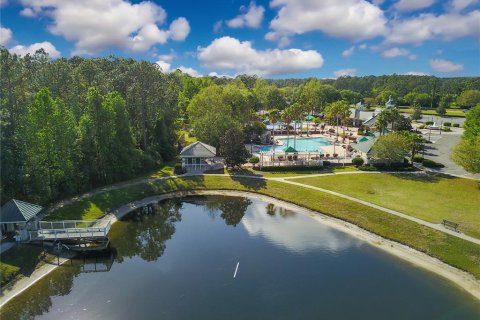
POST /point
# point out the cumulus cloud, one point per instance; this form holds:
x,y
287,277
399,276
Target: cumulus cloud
x,y
348,19
441,65
190,71
214,74
31,49
167,57
416,73
412,5
251,17
5,36
398,52
97,25
345,73
165,66
348,52
459,5
3,3
428,26
228,53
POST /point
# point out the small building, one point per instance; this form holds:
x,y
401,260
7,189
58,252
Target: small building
x,y
200,157
17,217
363,147
390,103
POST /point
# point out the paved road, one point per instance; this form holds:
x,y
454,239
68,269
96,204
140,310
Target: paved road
x,y
441,149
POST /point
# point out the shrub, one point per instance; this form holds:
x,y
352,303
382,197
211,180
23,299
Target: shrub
x,y
326,163
456,125
291,168
178,169
446,129
254,160
447,124
357,161
429,123
418,158
432,164
422,126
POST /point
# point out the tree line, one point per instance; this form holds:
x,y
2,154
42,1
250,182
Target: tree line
x,y
70,125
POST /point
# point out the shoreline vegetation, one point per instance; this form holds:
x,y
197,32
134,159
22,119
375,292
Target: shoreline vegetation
x,y
462,279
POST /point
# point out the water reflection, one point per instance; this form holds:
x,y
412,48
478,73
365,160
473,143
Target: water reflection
x,y
147,236
293,234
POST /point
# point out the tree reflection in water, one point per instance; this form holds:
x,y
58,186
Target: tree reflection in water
x,y
232,208
146,237
272,210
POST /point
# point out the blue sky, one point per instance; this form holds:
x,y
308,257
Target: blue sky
x,y
274,39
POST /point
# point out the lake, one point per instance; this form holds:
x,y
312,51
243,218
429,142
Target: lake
x,y
178,260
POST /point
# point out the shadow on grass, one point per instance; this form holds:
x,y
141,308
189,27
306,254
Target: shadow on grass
x,y
426,177
255,182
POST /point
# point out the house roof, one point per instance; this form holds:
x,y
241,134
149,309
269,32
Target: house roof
x,y
370,122
365,146
198,150
18,211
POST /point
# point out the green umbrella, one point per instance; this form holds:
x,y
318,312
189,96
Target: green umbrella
x,y
290,150
362,139
309,118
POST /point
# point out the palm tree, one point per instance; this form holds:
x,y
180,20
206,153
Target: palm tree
x,y
287,119
296,113
337,110
382,121
273,116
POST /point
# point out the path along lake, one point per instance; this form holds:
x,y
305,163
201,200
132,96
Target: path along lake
x,y
178,262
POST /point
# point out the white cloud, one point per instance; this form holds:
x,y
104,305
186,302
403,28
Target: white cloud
x,y
214,74
459,5
97,25
190,71
363,46
416,73
377,2
412,5
165,66
398,52
446,66
428,26
349,19
31,49
3,3
251,17
344,73
348,52
167,57
179,29
228,53
5,36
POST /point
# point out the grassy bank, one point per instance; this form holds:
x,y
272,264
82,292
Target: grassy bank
x,y
428,197
431,112
452,250
20,260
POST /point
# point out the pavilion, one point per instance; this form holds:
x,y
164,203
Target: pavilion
x,y
200,157
16,217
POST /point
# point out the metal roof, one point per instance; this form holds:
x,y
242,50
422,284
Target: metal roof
x,y
198,150
365,146
18,211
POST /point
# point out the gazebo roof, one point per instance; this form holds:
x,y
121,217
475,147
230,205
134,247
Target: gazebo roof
x,y
18,211
290,150
198,150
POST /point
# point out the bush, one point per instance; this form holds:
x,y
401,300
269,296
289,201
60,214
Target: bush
x,y
429,123
446,129
178,169
432,164
326,163
456,125
422,126
418,158
447,124
254,160
292,168
357,161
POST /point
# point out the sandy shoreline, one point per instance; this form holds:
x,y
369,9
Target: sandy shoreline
x,y
460,278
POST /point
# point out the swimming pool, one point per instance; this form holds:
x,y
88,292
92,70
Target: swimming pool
x,y
301,144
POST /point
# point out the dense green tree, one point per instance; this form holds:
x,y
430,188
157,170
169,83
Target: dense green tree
x,y
350,96
232,147
469,98
391,148
467,154
472,123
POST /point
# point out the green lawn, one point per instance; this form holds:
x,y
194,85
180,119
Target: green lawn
x,y
457,252
20,260
450,112
428,197
282,174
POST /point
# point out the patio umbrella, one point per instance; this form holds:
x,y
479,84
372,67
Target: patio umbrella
x,y
309,118
362,139
290,150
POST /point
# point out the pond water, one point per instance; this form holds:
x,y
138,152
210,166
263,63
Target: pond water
x,y
179,262
301,144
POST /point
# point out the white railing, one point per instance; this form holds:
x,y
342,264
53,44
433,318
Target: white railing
x,y
70,233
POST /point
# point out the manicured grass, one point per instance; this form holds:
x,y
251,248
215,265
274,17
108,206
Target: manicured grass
x,y
20,260
281,174
457,252
450,112
428,197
